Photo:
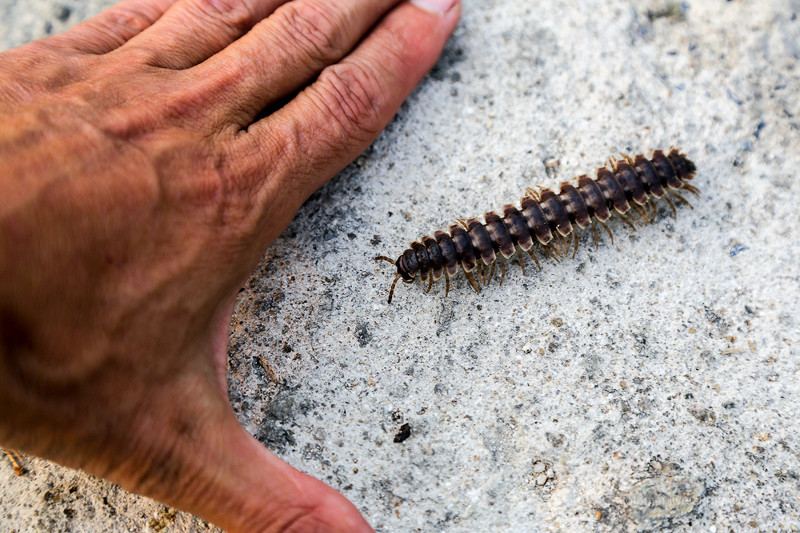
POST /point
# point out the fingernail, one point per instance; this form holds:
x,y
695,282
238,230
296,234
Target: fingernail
x,y
439,7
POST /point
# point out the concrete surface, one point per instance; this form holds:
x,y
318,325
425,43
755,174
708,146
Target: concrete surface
x,y
654,383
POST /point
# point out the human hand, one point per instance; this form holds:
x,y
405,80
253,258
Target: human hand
x,y
141,180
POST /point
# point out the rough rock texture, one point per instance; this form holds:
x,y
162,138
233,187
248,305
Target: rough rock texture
x,y
653,383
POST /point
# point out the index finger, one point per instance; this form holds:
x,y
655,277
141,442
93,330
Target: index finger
x,y
291,153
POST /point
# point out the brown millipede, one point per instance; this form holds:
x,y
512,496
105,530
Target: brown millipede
x,y
546,218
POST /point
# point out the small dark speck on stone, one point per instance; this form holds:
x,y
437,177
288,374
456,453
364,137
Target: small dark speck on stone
x,y
689,396
555,440
705,416
736,250
712,317
351,236
404,433
674,10
363,335
63,13
729,405
375,240
48,27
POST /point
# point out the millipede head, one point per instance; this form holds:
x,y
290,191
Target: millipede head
x,y
402,272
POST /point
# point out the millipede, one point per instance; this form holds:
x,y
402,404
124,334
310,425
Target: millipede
x,y
628,188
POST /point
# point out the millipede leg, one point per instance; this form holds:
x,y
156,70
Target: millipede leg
x,y
430,284
682,199
532,193
577,241
641,213
596,238
472,281
566,244
502,269
671,206
549,250
384,258
557,246
491,274
631,214
649,210
391,291
15,459
653,209
446,284
607,230
521,262
535,260
692,189
626,220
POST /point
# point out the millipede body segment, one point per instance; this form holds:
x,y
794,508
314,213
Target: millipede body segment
x,y
547,221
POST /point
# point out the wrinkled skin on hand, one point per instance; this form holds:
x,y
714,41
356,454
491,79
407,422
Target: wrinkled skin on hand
x,y
141,179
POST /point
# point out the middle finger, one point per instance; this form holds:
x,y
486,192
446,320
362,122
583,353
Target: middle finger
x,y
284,53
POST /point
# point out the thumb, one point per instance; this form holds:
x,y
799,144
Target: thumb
x,y
253,490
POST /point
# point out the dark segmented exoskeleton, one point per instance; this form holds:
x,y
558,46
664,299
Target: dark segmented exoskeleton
x,y
628,189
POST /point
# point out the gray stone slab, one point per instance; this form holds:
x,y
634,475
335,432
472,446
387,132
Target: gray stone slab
x,y
652,383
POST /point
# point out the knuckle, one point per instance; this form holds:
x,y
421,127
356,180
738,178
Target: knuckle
x,y
314,28
234,14
140,55
130,18
354,98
